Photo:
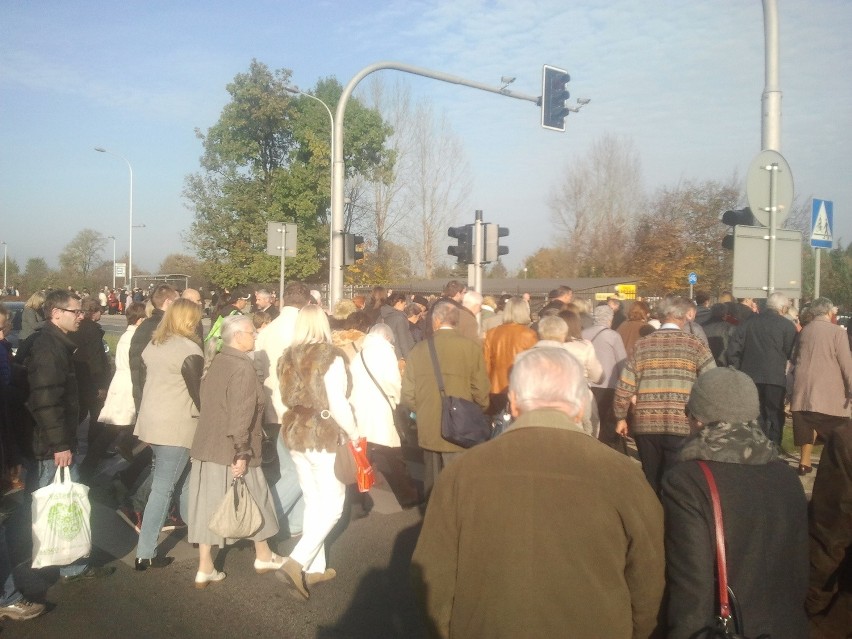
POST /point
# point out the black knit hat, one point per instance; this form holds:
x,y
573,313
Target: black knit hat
x,y
723,395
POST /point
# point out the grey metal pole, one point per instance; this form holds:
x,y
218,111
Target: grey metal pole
x,y
5,246
773,224
331,152
478,252
129,276
336,254
283,231
112,237
771,100
817,256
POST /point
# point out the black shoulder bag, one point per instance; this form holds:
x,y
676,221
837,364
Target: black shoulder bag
x,y
462,421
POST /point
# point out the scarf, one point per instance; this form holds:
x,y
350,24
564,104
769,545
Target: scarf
x,y
736,443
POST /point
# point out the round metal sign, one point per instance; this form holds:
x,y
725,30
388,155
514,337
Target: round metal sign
x,y
758,182
693,278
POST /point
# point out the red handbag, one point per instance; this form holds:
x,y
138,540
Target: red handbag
x,y
352,466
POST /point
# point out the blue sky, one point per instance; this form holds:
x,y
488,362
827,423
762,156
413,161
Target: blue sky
x,y
682,80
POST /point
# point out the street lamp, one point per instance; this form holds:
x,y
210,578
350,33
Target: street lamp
x,y
4,268
525,272
296,91
129,277
112,237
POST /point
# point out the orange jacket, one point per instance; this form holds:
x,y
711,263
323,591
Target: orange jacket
x,y
501,345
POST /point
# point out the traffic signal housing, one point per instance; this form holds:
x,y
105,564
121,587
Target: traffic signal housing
x,y
463,252
493,250
353,248
554,93
737,217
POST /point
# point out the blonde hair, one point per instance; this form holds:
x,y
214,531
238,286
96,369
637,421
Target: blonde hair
x,y
311,326
181,318
36,301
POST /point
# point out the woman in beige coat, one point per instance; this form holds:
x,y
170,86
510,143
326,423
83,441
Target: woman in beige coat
x,y
822,384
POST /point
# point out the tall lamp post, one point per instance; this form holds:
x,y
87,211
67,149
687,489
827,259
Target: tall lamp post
x,y
296,91
130,226
112,237
4,267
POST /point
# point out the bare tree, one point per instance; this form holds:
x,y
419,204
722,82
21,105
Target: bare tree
x,y
426,189
82,254
594,205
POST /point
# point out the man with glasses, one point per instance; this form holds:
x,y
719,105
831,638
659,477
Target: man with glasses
x,y
54,404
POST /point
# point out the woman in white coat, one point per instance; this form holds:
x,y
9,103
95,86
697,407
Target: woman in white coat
x,y
376,388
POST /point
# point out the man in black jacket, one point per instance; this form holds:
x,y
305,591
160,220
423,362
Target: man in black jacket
x,y
54,403
760,348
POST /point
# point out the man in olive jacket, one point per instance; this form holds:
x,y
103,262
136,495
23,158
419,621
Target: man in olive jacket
x,y
543,531
463,369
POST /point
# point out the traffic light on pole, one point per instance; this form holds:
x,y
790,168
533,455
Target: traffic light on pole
x,y
554,93
738,217
464,251
493,250
353,248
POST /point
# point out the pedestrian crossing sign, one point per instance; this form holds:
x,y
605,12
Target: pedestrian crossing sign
x,y
822,221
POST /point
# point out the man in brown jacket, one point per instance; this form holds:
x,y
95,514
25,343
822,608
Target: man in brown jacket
x,y
463,370
543,531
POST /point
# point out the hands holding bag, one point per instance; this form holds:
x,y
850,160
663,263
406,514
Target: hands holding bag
x,y
62,531
237,516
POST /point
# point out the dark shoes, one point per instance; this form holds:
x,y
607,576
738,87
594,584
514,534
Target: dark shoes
x,y
91,572
805,470
21,610
154,562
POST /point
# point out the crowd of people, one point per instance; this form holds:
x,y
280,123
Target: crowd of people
x,y
551,523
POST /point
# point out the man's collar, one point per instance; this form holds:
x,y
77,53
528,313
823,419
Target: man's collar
x,y
546,418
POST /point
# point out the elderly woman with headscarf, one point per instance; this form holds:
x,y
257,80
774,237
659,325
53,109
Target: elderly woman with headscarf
x,y
764,519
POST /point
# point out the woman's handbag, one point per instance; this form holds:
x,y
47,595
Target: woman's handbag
x,y
62,532
237,516
462,422
729,620
351,465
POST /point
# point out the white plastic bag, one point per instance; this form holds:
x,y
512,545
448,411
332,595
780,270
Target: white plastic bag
x,y
62,532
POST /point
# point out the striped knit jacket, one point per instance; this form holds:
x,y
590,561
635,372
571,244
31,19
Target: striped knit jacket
x,y
661,372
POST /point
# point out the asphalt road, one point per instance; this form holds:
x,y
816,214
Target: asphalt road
x,y
370,597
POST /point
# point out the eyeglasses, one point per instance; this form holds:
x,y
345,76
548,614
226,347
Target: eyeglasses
x,y
76,311
254,333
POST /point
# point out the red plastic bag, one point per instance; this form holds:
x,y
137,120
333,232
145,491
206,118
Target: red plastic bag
x,y
364,475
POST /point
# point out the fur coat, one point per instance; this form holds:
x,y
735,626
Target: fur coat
x,y
308,424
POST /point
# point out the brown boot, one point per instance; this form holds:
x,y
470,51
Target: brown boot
x,y
314,578
291,573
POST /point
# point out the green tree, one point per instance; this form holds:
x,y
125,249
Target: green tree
x,y
37,275
268,159
80,256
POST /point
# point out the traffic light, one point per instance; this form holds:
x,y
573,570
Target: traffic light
x,y
554,93
738,217
351,251
464,251
493,250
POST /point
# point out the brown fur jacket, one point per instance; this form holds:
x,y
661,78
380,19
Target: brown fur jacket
x,y
300,372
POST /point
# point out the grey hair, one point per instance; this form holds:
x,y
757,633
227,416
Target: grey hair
x,y
231,325
821,306
471,298
553,327
677,308
382,330
445,314
549,378
516,311
777,301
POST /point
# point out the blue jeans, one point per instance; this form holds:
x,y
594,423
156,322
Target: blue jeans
x,y
9,594
287,493
46,470
171,469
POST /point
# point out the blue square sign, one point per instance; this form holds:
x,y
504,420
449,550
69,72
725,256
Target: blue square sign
x,y
822,221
